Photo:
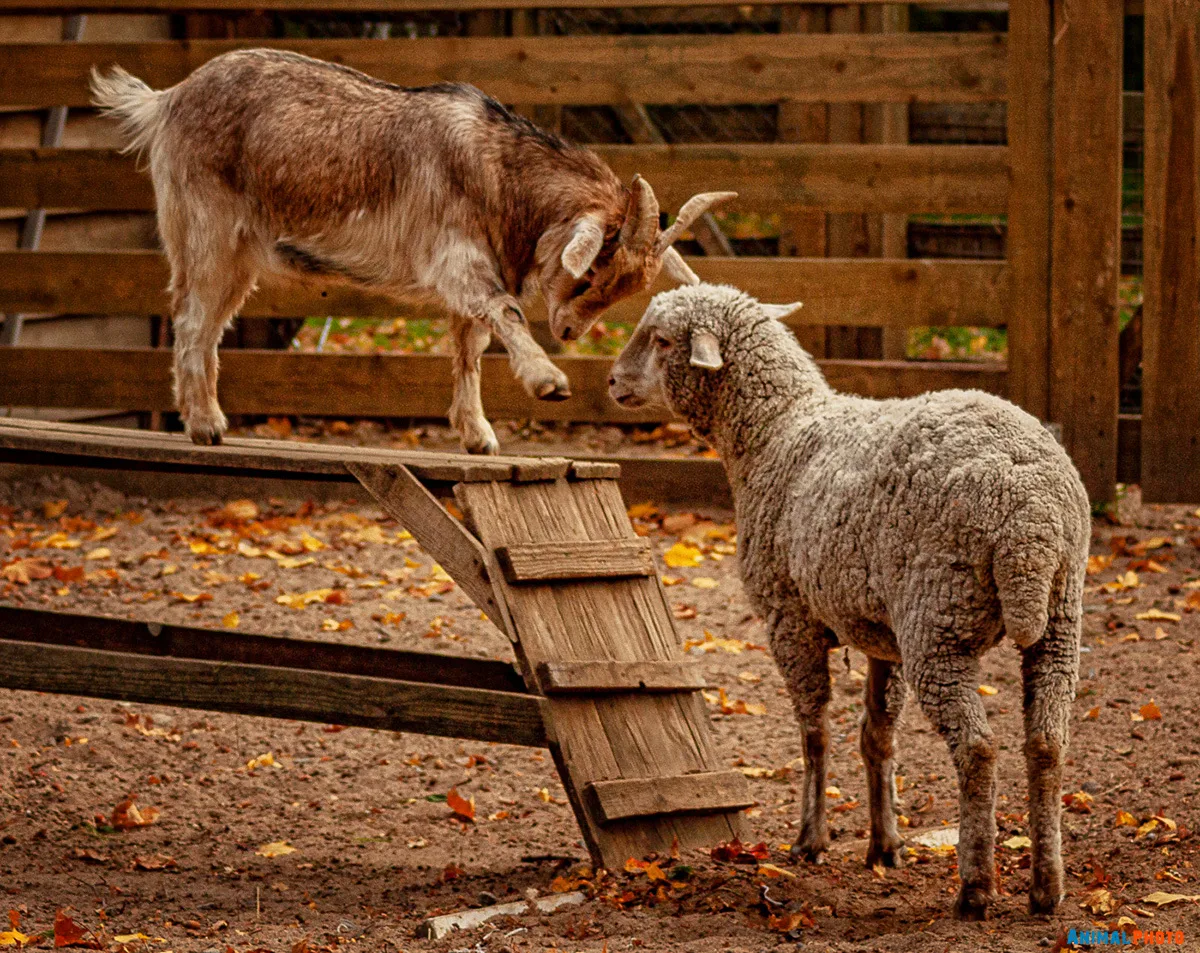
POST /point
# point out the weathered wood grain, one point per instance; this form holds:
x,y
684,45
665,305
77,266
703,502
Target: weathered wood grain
x,y
272,692
1086,236
600,675
1171,314
679,794
579,559
365,6
573,70
415,385
845,178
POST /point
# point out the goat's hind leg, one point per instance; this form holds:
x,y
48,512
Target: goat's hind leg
x,y
884,698
1049,669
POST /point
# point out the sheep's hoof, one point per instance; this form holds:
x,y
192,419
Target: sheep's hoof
x,y
206,438
1043,902
972,903
809,853
553,390
887,856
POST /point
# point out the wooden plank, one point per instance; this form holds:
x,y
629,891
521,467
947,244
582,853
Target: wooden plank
x,y
240,454
1086,236
627,620
367,6
574,70
177,641
1171,313
403,497
882,292
602,675
850,178
595,470
680,794
1030,139
580,559
413,385
273,692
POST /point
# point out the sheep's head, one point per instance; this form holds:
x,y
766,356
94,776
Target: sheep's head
x,y
676,356
598,259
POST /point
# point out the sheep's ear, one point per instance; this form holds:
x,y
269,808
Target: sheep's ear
x,y
587,237
781,311
706,352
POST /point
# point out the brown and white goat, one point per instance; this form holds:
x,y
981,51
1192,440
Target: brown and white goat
x,y
265,161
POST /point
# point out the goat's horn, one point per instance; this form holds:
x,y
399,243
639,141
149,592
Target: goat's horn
x,y
641,216
692,209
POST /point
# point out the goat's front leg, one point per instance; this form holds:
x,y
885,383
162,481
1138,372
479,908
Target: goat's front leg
x,y
801,650
529,362
466,411
884,697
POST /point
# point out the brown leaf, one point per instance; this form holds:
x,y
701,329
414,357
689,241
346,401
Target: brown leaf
x,y
463,808
69,933
24,571
153,862
735,852
127,815
89,856
1150,711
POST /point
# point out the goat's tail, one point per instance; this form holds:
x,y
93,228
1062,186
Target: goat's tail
x,y
140,109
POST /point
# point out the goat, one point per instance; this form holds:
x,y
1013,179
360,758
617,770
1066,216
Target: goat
x,y
270,162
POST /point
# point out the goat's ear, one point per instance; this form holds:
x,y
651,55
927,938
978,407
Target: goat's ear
x,y
706,351
678,269
587,237
781,311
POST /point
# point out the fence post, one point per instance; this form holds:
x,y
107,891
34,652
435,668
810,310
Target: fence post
x,y
1171,255
1086,236
1028,251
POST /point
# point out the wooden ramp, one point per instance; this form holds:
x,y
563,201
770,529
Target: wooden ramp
x,y
546,551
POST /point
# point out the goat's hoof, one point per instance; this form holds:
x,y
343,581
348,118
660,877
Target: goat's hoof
x,y
553,390
972,903
887,856
488,447
1042,901
206,438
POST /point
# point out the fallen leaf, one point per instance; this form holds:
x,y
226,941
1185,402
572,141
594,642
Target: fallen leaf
x,y
333,625
24,571
771,871
463,808
127,938
682,555
1097,564
100,552
1157,614
736,852
232,620
262,761
1124,819
1150,711
1093,713
192,597
1018,843
53,509
13,938
1128,580
1080,802
705,582
154,862
69,933
1099,900
676,580
276,848
127,815
1160,899
988,690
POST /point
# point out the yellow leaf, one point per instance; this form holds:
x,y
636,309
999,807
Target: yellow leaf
x,y
832,791
262,761
333,625
770,870
59,541
641,511
749,678
238,511
14,937
311,543
192,596
231,621
1128,580
1158,614
276,848
988,690
1017,843
102,533
682,555
1099,900
1161,899
1125,819
1147,827
202,547
53,509
1096,564
131,938
672,580
1155,542
704,582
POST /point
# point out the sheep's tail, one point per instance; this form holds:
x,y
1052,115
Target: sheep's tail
x,y
140,109
1029,574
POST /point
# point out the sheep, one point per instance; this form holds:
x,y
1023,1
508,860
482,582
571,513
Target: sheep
x,y
920,531
267,161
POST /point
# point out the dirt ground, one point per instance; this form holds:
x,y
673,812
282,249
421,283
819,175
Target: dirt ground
x,y
374,846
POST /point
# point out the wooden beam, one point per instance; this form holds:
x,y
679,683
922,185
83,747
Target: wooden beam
x,y
1030,138
573,70
1086,236
414,385
599,676
862,292
273,692
404,498
837,178
545,562
679,794
1171,243
46,7
177,641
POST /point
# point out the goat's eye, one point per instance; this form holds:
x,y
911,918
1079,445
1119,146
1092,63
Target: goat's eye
x,y
661,342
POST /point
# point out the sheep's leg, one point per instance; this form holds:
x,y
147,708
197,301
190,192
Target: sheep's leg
x,y
801,650
204,301
947,689
884,697
466,412
1050,668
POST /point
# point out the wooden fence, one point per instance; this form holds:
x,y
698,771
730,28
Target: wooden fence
x,y
1055,293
